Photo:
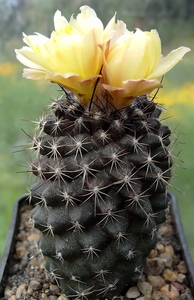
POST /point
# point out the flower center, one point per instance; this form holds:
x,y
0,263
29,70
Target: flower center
x,y
68,30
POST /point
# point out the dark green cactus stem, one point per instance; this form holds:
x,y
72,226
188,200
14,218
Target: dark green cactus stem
x,y
101,192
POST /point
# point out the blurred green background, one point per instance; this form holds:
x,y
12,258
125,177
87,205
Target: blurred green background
x,y
22,101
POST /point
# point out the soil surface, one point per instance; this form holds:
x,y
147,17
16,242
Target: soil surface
x,y
164,277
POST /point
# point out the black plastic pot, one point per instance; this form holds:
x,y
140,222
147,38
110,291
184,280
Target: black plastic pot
x,y
13,230
10,242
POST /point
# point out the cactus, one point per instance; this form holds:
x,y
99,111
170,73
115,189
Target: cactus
x,y
103,164
101,192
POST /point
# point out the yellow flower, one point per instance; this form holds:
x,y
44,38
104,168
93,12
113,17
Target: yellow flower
x,y
80,51
134,65
71,57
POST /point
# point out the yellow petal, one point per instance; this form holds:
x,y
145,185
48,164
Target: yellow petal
x,y
20,54
81,88
91,55
33,40
33,60
135,54
141,86
168,62
34,74
59,21
86,20
120,29
140,55
153,51
109,29
131,89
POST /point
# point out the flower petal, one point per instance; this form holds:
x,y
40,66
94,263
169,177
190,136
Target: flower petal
x,y
153,50
91,63
141,86
168,62
130,90
86,20
34,74
33,60
59,21
25,61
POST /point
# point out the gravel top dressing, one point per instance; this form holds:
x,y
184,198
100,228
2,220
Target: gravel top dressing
x,y
164,276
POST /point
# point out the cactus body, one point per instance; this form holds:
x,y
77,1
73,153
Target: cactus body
x,y
101,192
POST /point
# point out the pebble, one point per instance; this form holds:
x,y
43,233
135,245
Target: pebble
x,y
170,291
44,297
165,230
179,286
176,261
35,285
169,275
8,292
62,297
54,289
153,254
181,267
176,246
51,297
169,250
181,277
160,247
13,297
158,295
30,291
21,290
144,287
154,266
155,281
33,237
22,235
133,292
20,252
168,259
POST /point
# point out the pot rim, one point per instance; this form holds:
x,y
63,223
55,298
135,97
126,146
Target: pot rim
x,y
13,228
182,239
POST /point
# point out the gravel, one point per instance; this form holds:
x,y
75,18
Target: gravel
x,y
164,277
